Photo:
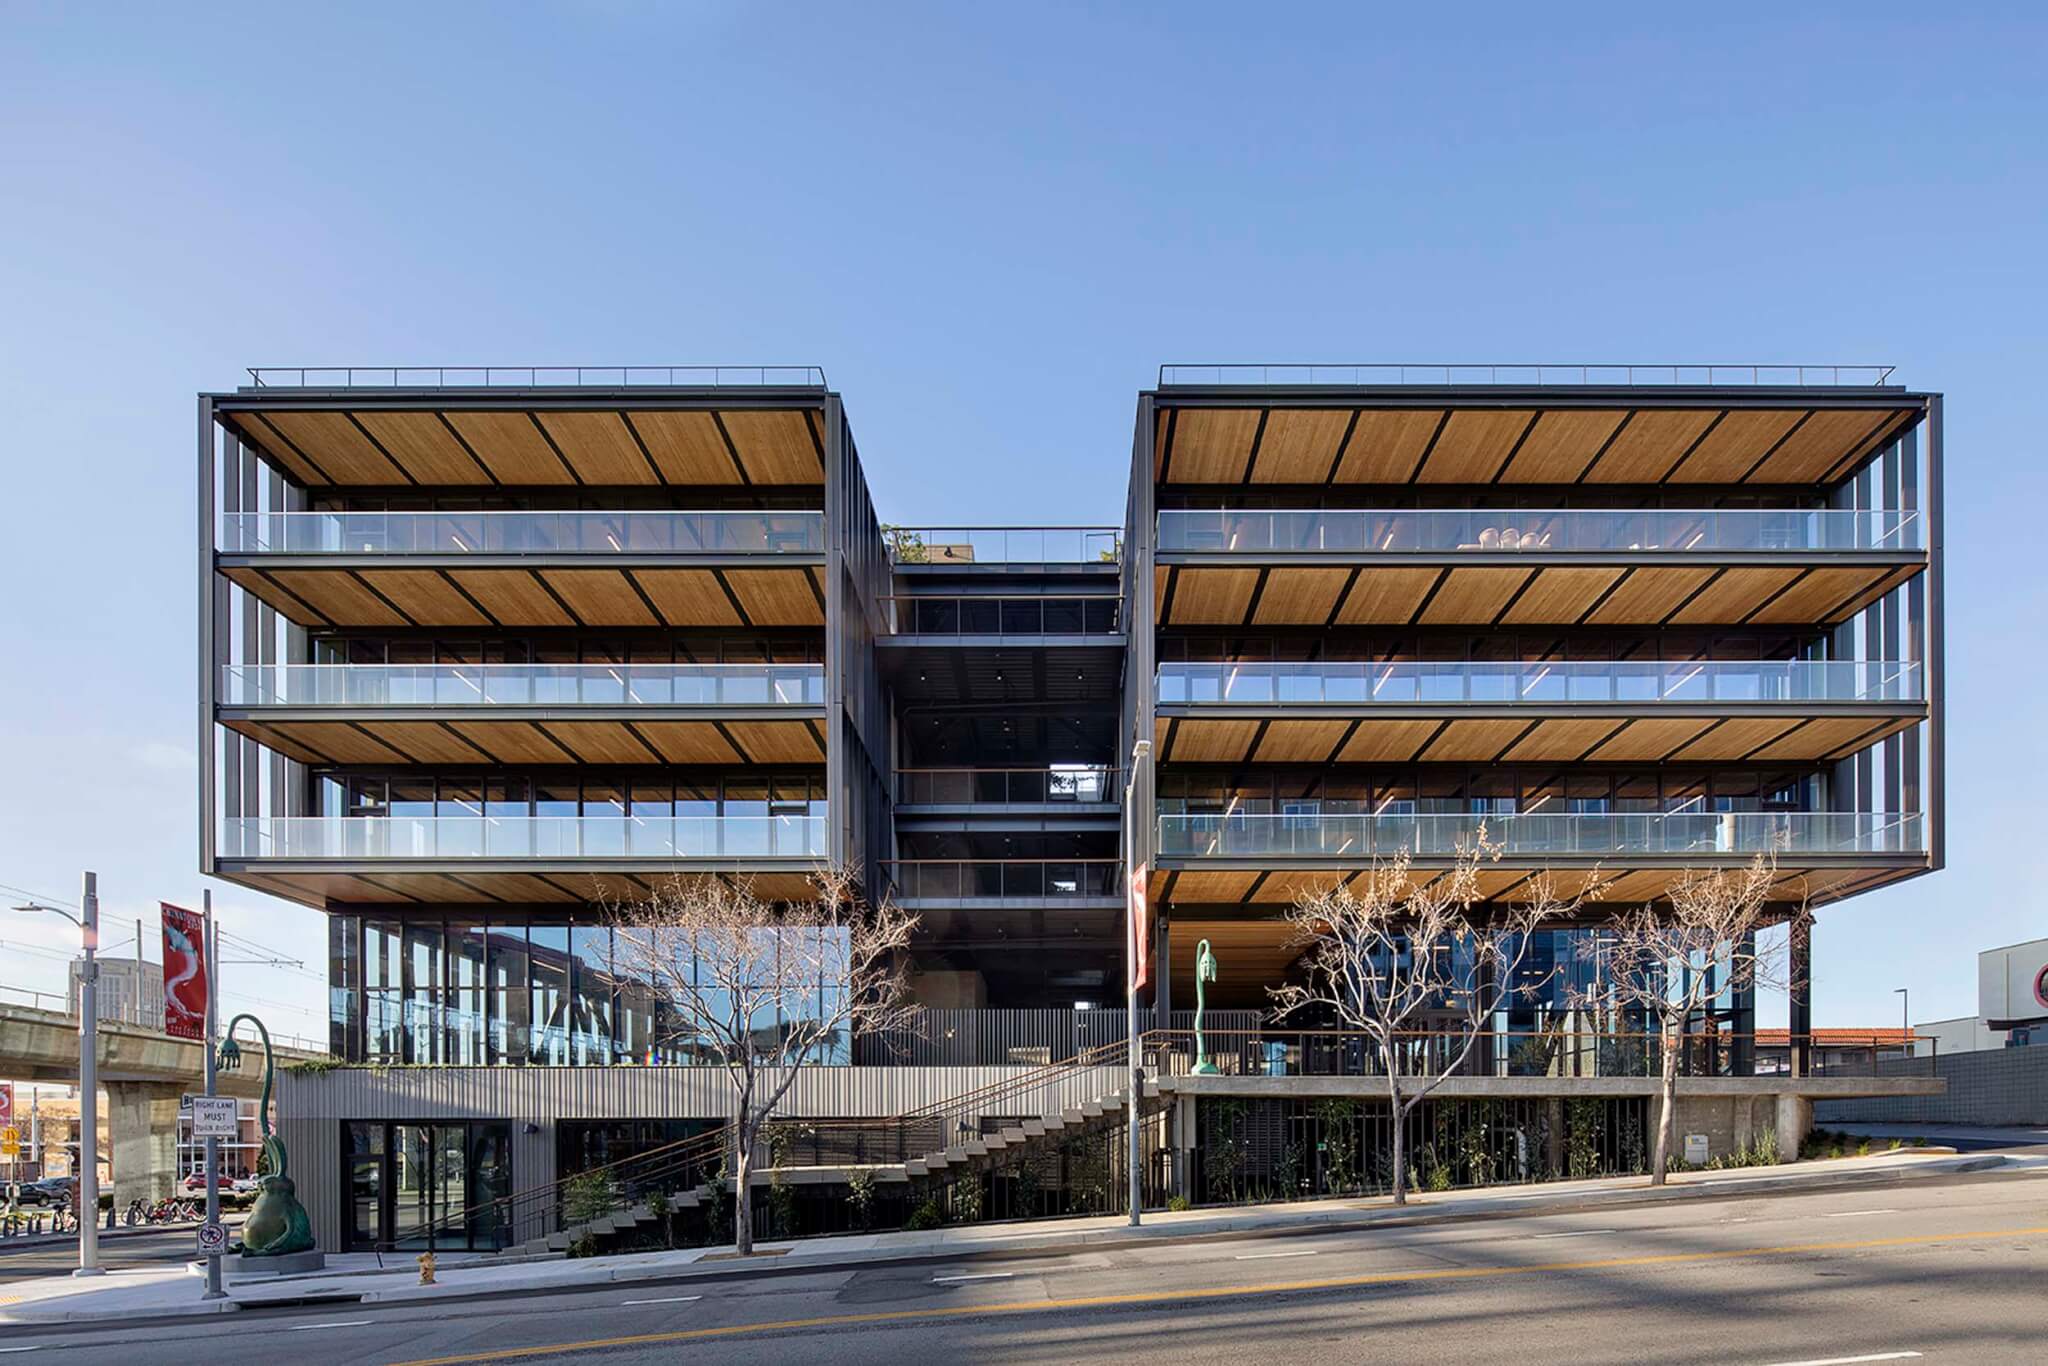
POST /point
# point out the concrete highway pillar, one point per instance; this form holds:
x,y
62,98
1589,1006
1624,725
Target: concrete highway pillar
x,y
142,1131
1553,1135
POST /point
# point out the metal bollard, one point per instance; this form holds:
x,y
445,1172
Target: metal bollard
x,y
426,1268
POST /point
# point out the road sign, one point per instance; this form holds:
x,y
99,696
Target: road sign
x,y
1696,1150
214,1117
10,1142
213,1239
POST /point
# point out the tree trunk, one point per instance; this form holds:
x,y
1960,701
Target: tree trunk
x,y
1667,1107
742,1195
1400,1136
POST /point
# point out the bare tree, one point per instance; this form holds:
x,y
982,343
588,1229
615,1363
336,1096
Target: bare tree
x,y
1666,965
762,988
1383,953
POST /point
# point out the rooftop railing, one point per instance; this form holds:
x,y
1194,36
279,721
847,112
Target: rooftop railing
x,y
1055,784
533,376
1005,545
1378,531
522,533
1315,834
991,616
522,685
1342,683
521,837
1539,373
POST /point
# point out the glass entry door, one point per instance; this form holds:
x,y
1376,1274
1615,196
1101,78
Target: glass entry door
x,y
411,1184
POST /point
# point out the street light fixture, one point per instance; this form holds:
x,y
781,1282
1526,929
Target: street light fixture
x,y
1905,1018
87,1174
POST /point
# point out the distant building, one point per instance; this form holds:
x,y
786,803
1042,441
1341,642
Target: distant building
x,y
1836,1052
129,991
2012,1003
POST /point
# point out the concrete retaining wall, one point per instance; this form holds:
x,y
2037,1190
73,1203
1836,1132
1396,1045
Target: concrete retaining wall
x,y
1991,1086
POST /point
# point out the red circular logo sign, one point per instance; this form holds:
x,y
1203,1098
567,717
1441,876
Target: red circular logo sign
x,y
2041,986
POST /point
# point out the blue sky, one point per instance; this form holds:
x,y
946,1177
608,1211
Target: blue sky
x,y
989,225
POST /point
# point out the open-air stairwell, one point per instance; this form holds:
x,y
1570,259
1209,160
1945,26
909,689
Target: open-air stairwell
x,y
682,1171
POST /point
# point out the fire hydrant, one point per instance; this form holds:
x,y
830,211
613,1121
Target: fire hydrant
x,y
426,1268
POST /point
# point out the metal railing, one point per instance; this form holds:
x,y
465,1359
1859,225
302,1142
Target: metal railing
x,y
993,616
1308,834
1392,531
522,533
1005,544
1056,784
518,837
522,685
1538,373
533,376
1340,683
1003,877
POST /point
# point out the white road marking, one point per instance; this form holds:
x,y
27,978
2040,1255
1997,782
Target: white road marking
x,y
667,1299
1268,1256
35,1348
982,1276
1580,1233
1851,1361
342,1323
1851,1214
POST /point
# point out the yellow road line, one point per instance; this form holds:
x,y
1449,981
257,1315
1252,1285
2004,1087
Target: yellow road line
x,y
1470,1273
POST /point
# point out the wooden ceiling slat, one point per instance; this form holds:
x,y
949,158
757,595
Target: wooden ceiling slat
x,y
1300,597
687,597
1561,444
601,597
1385,597
1295,742
271,739
1191,886
511,447
686,446
1473,597
1210,445
340,741
255,432
1560,596
1561,739
337,596
1735,737
1733,596
775,446
1473,445
1197,742
254,583
688,742
1381,742
423,445
513,596
1737,442
1649,596
776,597
425,742
1823,441
1299,444
1213,597
514,742
336,445
598,447
1651,444
1805,601
1475,741
776,742
1881,583
424,596
1821,735
1650,738
1386,444
602,742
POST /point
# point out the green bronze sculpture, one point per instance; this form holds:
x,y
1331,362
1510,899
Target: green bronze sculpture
x,y
1205,971
277,1225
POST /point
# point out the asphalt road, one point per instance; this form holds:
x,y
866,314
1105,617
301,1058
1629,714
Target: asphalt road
x,y
1945,1270
143,1248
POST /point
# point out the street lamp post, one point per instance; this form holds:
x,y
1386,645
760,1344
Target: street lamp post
x,y
1135,1079
1905,1018
87,1174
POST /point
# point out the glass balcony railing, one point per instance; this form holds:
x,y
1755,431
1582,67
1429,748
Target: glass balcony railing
x,y
1647,681
1022,615
1005,544
1525,835
515,837
1004,877
522,533
1058,784
1646,530
522,685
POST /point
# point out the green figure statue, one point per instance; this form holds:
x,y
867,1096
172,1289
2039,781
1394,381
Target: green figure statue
x,y
1205,971
278,1223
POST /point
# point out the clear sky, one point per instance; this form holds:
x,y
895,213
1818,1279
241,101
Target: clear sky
x,y
989,224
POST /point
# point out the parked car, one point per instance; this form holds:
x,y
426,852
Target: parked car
x,y
51,1190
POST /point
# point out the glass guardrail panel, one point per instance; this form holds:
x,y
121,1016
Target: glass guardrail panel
x,y
491,836
1001,545
1520,529
251,685
1646,681
1331,835
521,533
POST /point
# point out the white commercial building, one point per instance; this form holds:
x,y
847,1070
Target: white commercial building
x,y
2012,1003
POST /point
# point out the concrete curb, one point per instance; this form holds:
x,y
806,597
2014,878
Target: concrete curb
x,y
1236,1226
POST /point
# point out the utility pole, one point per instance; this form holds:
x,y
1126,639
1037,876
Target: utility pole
x,y
89,1084
1133,909
210,951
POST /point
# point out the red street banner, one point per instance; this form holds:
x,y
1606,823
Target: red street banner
x,y
184,972
1141,932
6,1102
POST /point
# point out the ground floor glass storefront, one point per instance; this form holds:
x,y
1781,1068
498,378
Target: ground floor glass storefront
x,y
409,1183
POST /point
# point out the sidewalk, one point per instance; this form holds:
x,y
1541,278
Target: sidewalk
x,y
356,1278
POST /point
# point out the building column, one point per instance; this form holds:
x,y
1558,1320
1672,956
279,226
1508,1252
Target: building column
x,y
1742,1062
1799,989
1181,1142
142,1133
1795,1119
1553,1135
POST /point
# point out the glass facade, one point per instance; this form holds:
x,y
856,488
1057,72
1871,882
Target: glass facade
x,y
527,990
409,1184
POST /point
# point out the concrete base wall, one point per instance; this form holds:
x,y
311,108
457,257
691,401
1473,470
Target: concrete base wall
x,y
1992,1086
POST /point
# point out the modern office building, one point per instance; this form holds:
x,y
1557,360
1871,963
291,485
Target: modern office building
x,y
483,650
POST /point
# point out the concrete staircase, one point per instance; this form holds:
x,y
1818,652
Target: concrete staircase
x,y
618,1221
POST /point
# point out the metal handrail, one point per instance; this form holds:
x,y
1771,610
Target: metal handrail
x,y
1539,372
534,376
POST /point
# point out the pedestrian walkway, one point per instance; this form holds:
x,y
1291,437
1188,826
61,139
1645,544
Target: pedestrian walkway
x,y
147,1293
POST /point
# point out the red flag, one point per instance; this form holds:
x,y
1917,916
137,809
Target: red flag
x,y
1140,931
184,972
